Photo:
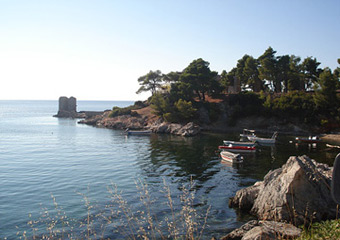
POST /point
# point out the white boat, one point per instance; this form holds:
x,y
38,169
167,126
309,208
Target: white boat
x,y
238,149
259,140
231,157
247,133
138,133
239,144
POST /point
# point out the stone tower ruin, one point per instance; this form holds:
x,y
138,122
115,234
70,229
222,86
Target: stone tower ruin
x,y
68,104
67,107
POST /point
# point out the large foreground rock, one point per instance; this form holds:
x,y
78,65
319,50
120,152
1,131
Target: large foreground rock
x,y
298,193
254,230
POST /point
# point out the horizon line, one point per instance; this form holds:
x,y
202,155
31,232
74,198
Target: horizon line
x,y
98,100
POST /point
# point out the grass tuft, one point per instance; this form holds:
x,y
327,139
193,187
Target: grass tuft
x,y
329,229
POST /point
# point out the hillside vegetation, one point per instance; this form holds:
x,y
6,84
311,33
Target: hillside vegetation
x,y
285,87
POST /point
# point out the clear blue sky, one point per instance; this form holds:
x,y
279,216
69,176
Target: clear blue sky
x,y
96,50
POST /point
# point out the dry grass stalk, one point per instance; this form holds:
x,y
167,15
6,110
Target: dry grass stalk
x,y
118,218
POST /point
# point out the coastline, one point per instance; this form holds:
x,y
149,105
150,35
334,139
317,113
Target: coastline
x,y
141,116
108,132
145,119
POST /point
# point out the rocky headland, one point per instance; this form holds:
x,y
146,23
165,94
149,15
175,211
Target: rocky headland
x,y
144,118
219,118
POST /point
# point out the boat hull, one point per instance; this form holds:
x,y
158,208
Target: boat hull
x,y
238,149
239,144
139,133
264,141
231,157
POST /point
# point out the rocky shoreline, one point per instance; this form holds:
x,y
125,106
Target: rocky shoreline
x,y
142,119
296,194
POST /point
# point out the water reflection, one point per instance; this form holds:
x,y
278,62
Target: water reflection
x,y
67,122
186,157
198,156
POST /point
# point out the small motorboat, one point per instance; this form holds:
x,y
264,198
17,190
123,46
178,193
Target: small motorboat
x,y
239,149
240,144
260,141
138,132
247,133
231,157
310,139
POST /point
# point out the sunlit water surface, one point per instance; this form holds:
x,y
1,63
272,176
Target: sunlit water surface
x,y
42,157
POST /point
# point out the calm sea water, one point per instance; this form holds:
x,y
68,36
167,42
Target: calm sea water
x,y
42,158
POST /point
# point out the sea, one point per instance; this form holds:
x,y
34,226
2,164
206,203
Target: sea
x,y
67,180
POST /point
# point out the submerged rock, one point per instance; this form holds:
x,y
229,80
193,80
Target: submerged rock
x,y
264,230
298,192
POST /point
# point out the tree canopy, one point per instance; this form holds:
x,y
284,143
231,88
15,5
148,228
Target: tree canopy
x,y
150,82
282,82
198,79
325,93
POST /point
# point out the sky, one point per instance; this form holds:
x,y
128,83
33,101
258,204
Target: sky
x,y
96,50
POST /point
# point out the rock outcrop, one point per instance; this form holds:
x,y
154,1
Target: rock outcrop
x,y
298,193
123,122
188,130
142,119
255,229
136,123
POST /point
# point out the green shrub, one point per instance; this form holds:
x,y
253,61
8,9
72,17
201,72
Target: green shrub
x,y
245,104
178,111
299,105
140,104
185,110
117,111
170,117
160,104
250,102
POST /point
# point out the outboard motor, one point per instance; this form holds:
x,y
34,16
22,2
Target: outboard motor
x,y
335,186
